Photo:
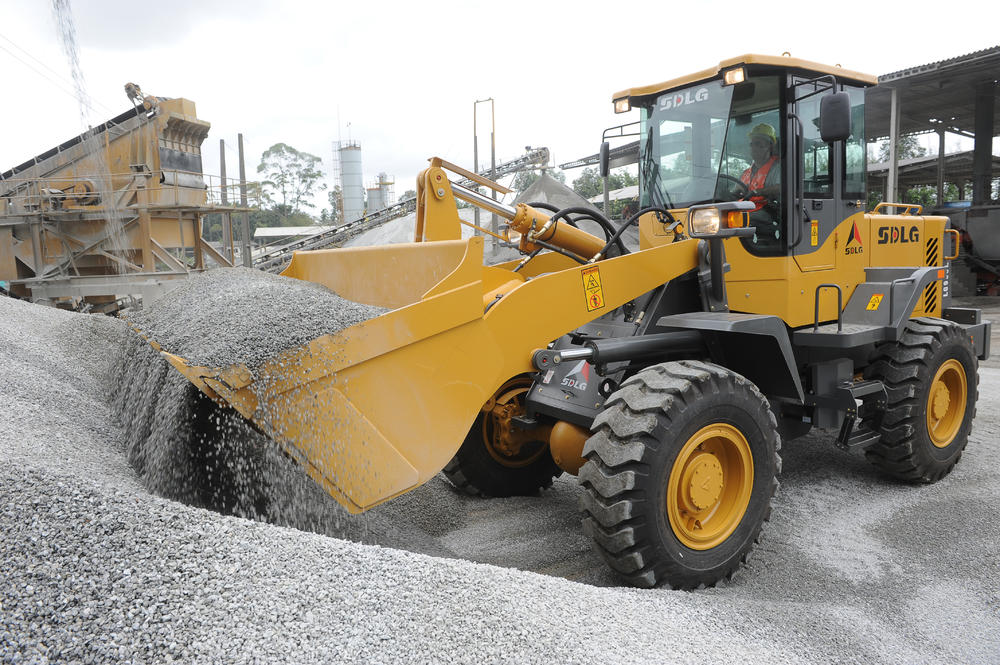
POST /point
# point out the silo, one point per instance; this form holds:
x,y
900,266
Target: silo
x,y
385,187
375,201
349,154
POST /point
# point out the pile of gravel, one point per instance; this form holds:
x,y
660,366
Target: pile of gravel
x,y
853,568
187,448
238,315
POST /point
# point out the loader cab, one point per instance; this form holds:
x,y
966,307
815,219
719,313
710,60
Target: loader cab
x,y
697,145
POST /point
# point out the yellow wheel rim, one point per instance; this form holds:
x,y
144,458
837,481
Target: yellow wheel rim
x,y
511,395
946,403
709,487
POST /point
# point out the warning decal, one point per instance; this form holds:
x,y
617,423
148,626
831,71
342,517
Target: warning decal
x,y
814,234
592,288
874,302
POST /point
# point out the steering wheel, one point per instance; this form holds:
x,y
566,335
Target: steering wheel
x,y
740,191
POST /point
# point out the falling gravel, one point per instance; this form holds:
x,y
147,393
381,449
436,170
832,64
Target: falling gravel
x,y
96,568
185,447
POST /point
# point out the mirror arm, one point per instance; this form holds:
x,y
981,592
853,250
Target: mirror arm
x,y
605,166
833,86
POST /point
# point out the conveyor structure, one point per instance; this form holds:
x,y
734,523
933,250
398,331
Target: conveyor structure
x,y
114,214
276,259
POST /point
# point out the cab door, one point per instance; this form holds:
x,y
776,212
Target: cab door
x,y
816,241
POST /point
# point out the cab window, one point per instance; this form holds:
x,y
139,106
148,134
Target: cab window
x,y
818,163
854,148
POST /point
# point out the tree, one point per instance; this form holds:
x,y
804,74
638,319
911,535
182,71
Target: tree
x,y
907,146
212,223
408,194
336,198
591,184
291,176
525,179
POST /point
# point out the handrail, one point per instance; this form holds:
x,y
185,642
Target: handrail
x,y
27,195
840,306
796,224
892,289
958,242
908,207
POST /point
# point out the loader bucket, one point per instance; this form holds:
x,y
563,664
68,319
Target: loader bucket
x,y
379,408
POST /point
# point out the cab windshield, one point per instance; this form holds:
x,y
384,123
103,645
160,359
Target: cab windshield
x,y
712,142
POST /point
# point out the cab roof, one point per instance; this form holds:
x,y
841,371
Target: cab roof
x,y
751,59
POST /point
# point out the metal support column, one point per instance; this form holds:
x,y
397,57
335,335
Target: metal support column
x,y
145,227
199,254
982,152
227,220
245,216
494,223
892,176
36,247
940,167
475,158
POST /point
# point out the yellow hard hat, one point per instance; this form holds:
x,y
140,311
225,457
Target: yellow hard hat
x,y
765,130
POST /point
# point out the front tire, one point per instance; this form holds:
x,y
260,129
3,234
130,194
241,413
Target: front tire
x,y
494,461
680,475
931,376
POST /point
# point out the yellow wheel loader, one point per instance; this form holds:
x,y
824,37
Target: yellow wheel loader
x,y
763,301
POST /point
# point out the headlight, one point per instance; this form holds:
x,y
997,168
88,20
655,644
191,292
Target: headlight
x,y
705,221
734,76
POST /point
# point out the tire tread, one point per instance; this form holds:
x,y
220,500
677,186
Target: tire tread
x,y
627,435
905,367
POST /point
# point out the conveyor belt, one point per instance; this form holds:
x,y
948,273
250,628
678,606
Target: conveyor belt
x,y
276,259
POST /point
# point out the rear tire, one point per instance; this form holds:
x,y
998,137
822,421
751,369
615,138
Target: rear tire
x,y
931,376
481,467
680,475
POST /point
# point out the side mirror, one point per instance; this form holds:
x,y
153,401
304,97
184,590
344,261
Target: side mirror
x,y
835,117
605,159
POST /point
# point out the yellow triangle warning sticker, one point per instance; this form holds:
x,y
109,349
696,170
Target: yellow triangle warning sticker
x,y
592,289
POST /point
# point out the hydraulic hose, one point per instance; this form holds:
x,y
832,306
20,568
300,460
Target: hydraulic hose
x,y
575,222
632,220
606,224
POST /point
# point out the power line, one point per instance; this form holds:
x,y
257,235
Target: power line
x,y
25,52
61,84
44,76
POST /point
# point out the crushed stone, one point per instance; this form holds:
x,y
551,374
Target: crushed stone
x,y
239,315
853,568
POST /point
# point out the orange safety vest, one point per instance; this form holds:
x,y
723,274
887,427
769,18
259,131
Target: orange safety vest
x,y
756,179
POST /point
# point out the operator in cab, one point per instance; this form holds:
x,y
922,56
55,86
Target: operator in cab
x,y
763,179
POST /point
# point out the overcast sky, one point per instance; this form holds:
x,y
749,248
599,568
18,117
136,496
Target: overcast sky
x,y
403,76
